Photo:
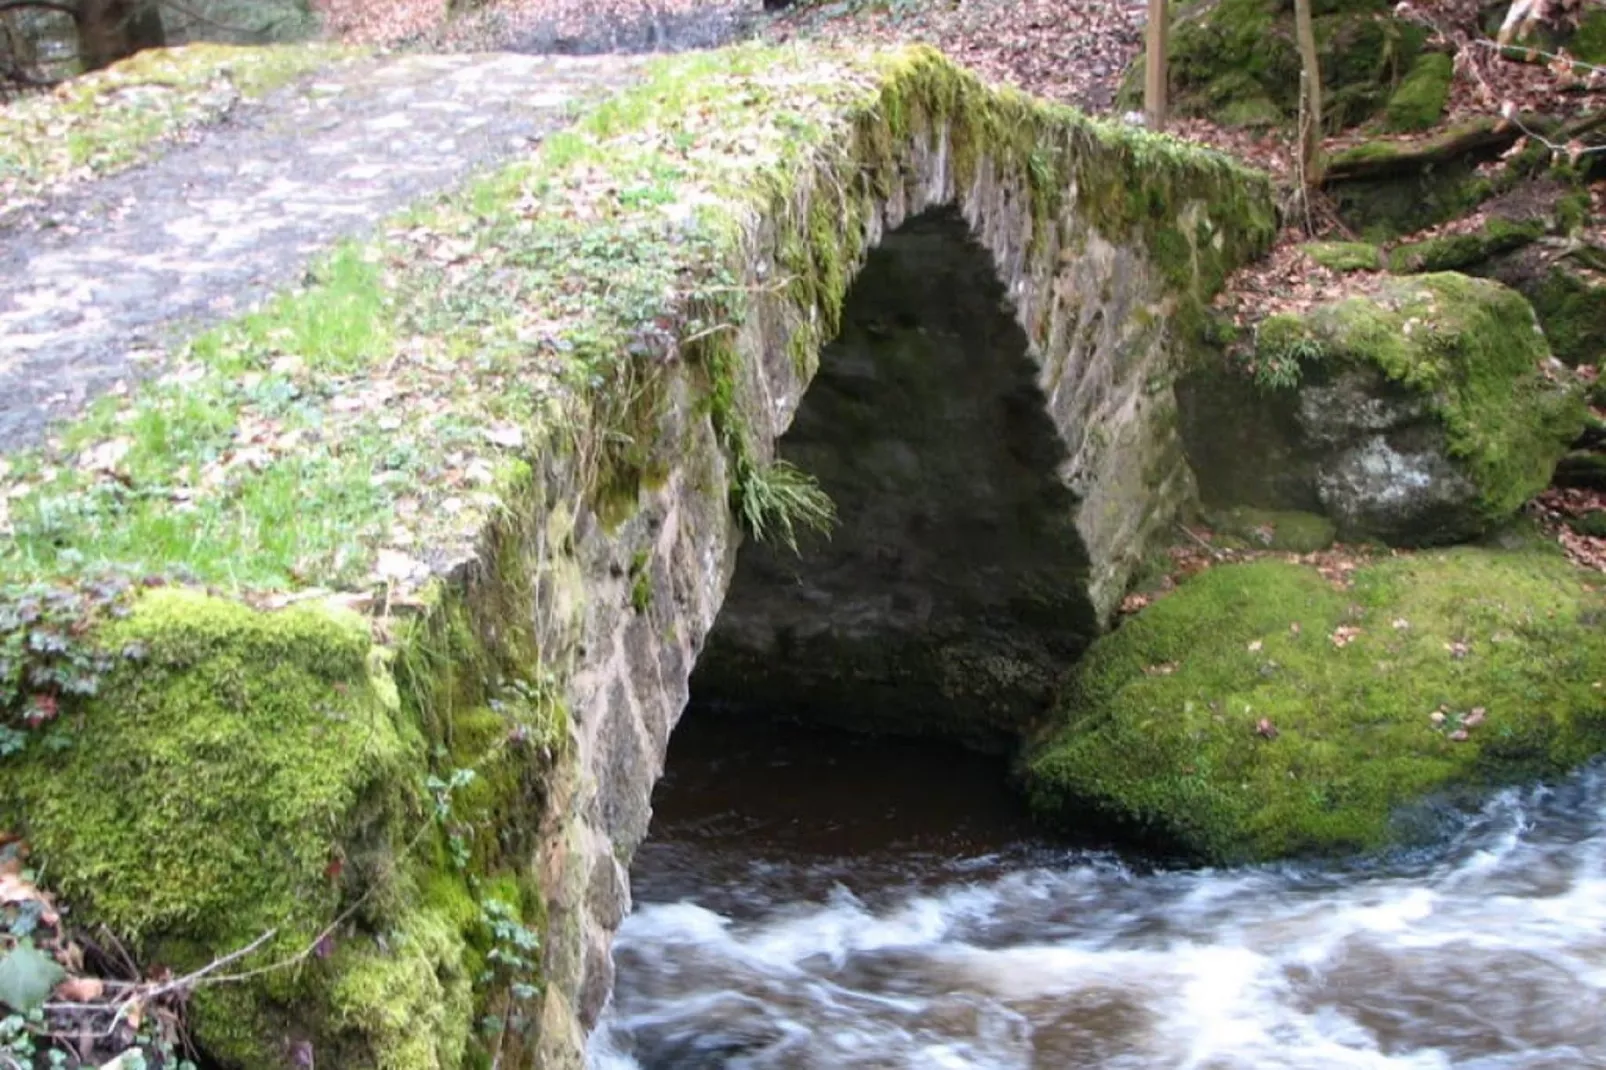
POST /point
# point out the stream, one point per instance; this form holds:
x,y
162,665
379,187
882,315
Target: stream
x,y
812,900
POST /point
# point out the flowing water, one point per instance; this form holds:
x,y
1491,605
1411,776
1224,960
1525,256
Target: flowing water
x,y
809,901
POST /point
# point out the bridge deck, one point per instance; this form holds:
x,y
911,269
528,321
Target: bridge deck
x,y
102,280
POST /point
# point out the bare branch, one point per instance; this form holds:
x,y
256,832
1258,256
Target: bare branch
x,y
1505,50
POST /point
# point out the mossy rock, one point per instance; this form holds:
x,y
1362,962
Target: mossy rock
x,y
1291,531
1571,305
1425,406
1583,469
1569,300
1456,252
1235,721
1344,255
1236,61
1419,101
242,777
1592,523
1382,209
203,798
1588,43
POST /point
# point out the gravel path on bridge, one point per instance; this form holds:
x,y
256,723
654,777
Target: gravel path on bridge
x,y
100,283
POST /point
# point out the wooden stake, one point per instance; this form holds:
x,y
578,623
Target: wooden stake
x,y
1154,69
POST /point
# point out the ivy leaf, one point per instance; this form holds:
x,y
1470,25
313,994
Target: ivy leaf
x,y
26,977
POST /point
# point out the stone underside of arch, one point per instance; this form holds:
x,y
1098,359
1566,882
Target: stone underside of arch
x,y
444,533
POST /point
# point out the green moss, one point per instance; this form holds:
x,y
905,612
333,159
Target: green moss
x,y
1408,195
1269,529
410,998
1419,101
1468,346
239,773
1235,61
1162,729
215,773
1592,523
1571,306
1453,252
47,139
1589,42
1344,255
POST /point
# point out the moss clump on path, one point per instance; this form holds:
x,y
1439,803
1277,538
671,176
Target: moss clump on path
x,y
1261,712
1344,255
1454,252
103,122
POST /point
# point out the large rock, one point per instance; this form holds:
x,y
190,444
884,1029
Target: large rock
x,y
1236,60
1261,711
1422,413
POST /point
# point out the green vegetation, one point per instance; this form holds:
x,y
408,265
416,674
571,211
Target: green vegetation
x,y
1260,712
1453,252
1271,529
112,119
1419,101
275,769
1572,307
1470,348
1235,61
1344,255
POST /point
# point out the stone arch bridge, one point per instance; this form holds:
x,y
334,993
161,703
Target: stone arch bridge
x,y
364,617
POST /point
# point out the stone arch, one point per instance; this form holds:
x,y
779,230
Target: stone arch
x,y
1103,243
953,591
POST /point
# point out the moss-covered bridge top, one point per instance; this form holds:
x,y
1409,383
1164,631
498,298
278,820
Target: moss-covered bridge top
x,y
357,434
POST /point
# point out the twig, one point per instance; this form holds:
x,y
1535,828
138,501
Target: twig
x,y
1569,150
1504,50
1217,554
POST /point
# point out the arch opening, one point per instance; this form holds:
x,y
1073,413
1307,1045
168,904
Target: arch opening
x,y
953,592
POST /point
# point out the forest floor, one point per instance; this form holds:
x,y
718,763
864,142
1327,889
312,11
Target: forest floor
x,y
1074,52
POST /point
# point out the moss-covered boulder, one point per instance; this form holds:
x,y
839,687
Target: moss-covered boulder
x,y
234,777
1420,413
1262,712
1419,101
1344,255
1236,60
1457,252
1567,293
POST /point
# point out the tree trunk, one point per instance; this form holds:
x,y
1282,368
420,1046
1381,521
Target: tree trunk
x,y
1154,67
110,30
1310,134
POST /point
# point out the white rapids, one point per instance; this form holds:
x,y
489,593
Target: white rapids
x,y
1488,953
